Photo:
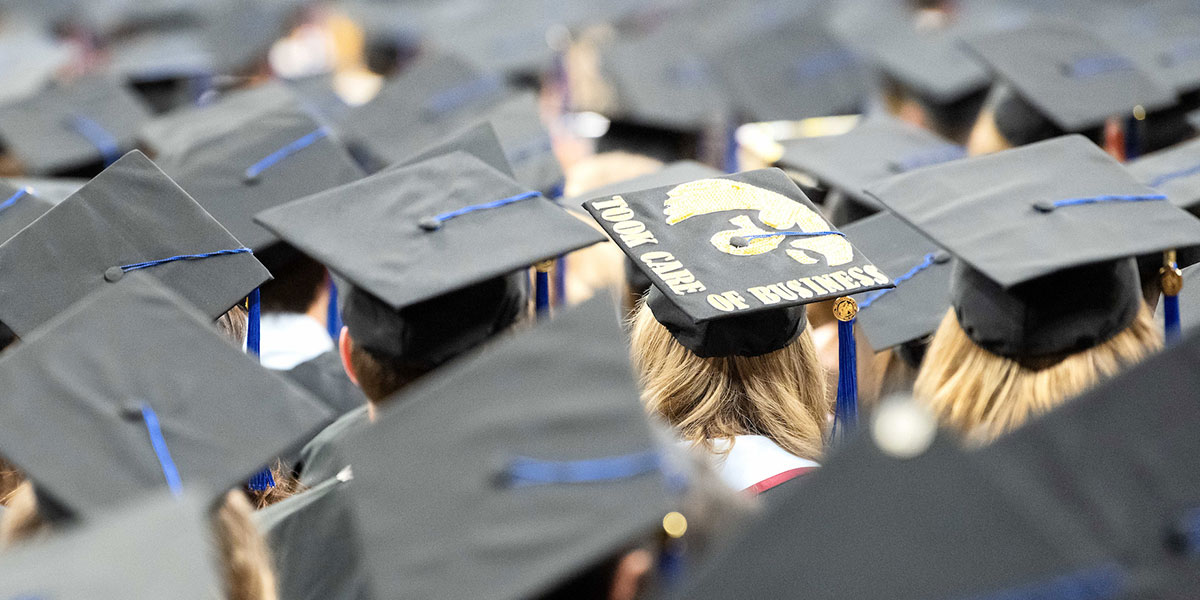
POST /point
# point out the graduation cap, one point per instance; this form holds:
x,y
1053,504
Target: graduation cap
x,y
157,548
1069,75
435,89
514,40
1052,271
409,240
478,140
314,542
878,148
1174,171
915,307
50,189
725,285
136,389
242,166
71,127
1163,38
526,143
1016,547
168,68
553,474
131,217
185,124
794,70
19,206
926,59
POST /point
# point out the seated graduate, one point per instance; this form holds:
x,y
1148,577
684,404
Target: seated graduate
x,y
1046,297
434,261
238,158
157,547
721,342
1058,78
190,414
130,218
561,487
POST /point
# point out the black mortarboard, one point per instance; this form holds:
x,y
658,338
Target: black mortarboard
x,y
921,271
1050,270
1070,75
514,40
314,543
926,59
435,89
556,470
1174,171
878,148
69,127
723,285
131,390
407,236
793,70
157,548
933,526
240,167
1162,38
478,140
130,217
526,142
181,126
19,206
51,189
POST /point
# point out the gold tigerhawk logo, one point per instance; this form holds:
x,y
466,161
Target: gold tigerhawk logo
x,y
777,211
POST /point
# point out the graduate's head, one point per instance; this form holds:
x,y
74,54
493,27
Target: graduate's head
x,y
780,394
244,557
384,349
1042,305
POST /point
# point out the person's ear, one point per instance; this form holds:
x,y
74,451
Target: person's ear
x,y
345,347
630,575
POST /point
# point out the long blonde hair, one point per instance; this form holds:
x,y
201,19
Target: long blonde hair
x,y
245,558
780,395
984,395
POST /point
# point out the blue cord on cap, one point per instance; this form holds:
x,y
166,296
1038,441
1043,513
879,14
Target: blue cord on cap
x,y
1091,66
159,443
1096,583
933,156
930,259
526,472
273,158
434,223
1050,206
741,241
1165,177
13,198
97,136
155,263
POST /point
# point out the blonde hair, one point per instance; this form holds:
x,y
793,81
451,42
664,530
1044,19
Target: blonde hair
x,y
780,395
984,395
245,559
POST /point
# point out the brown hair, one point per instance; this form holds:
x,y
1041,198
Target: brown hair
x,y
245,559
379,377
985,395
780,395
10,478
286,486
233,324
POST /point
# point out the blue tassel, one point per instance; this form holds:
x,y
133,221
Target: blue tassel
x,y
253,329
845,415
333,317
542,297
670,564
560,280
1171,317
262,481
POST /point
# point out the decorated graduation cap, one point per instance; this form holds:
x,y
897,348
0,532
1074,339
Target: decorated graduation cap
x,y
553,474
734,259
878,148
242,166
136,389
912,310
1068,75
1045,237
1019,545
19,206
1175,172
314,542
131,217
435,253
156,548
73,126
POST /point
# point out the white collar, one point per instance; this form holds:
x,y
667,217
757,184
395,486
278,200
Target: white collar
x,y
288,339
754,458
